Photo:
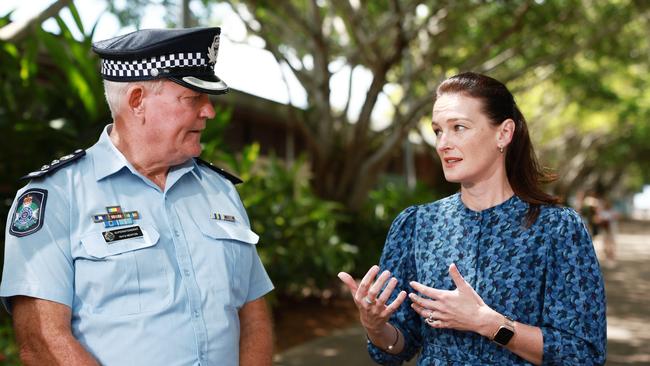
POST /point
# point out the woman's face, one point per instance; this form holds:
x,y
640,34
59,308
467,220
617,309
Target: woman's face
x,y
466,141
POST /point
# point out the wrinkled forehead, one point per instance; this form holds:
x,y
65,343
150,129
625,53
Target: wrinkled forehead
x,y
455,106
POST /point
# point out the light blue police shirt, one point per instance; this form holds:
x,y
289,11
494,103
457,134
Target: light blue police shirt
x,y
152,277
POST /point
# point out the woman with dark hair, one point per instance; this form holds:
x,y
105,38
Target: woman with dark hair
x,y
531,290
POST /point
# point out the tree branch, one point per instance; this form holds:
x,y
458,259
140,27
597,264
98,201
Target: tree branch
x,y
501,38
14,32
356,31
321,74
344,113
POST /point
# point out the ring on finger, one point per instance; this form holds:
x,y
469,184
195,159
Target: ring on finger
x,y
429,320
368,301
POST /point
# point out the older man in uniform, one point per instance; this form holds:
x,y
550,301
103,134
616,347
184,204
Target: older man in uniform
x,y
136,252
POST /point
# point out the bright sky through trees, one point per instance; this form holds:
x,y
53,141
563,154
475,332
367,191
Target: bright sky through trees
x,y
249,69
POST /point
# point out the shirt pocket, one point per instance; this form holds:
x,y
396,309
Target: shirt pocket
x,y
229,254
123,277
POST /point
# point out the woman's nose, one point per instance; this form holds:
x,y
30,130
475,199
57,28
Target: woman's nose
x,y
442,142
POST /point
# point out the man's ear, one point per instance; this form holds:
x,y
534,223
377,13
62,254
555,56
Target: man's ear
x,y
135,99
505,133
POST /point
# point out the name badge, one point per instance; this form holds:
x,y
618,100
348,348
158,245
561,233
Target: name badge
x,y
112,236
221,217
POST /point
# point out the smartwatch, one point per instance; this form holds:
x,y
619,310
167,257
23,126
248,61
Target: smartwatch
x,y
504,334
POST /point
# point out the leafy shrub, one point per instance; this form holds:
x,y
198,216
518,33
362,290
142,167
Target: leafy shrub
x,y
368,229
299,244
8,348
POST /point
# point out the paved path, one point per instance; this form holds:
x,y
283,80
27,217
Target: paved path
x,y
628,314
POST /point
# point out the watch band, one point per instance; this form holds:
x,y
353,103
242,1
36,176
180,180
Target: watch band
x,y
505,333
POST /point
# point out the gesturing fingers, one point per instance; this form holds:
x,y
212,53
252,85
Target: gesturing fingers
x,y
428,291
425,303
394,305
373,291
364,285
432,316
349,282
385,295
458,279
370,299
461,285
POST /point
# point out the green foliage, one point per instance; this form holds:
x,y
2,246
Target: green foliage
x,y
212,136
583,57
299,244
8,348
133,11
368,228
51,102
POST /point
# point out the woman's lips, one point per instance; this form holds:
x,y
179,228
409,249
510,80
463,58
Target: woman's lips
x,y
450,162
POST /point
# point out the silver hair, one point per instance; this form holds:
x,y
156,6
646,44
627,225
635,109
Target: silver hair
x,y
115,92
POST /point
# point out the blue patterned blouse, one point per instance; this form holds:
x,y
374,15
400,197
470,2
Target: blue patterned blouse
x,y
546,276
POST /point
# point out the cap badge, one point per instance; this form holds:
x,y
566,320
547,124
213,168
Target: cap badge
x,y
213,50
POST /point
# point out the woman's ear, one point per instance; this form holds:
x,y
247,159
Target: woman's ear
x,y
505,133
135,99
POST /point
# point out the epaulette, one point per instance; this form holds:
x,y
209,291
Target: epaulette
x,y
55,165
232,178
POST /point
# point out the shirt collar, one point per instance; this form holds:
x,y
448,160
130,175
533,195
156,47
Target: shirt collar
x,y
108,160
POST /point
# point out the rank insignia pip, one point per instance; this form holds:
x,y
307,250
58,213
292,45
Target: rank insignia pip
x,y
29,214
115,217
55,165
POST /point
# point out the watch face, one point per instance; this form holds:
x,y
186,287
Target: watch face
x,y
503,336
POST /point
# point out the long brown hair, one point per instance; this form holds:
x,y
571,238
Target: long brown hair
x,y
525,175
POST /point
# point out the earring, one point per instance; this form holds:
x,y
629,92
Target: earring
x,y
501,149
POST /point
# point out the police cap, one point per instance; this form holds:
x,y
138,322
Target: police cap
x,y
185,56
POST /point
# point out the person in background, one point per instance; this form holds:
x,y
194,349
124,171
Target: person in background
x,y
137,252
496,274
606,218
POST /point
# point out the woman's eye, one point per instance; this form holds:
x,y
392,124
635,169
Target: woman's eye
x,y
459,127
437,132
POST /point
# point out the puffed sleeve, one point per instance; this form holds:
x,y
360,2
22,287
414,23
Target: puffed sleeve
x,y
398,258
39,263
573,320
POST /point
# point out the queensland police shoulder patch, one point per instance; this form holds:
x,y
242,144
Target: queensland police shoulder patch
x,y
30,212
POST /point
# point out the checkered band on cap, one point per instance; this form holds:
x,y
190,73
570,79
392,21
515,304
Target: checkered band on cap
x,y
143,67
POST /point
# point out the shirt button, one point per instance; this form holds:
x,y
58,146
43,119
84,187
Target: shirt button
x,y
196,314
176,233
187,273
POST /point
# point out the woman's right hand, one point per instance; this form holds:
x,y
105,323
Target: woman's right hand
x,y
373,310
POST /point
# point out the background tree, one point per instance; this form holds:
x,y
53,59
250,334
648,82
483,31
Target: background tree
x,y
583,56
590,115
408,47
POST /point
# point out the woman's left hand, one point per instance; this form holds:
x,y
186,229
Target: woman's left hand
x,y
460,309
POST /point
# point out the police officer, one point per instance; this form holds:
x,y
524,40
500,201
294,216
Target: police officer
x,y
136,252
